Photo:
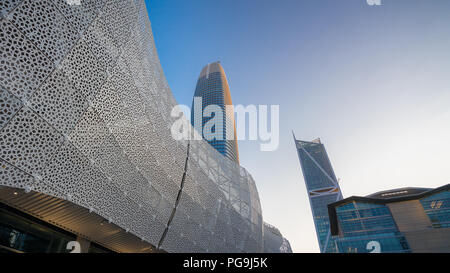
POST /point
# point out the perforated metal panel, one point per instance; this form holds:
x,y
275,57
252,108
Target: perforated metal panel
x,y
85,117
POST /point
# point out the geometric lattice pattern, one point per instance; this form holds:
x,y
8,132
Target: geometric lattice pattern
x,y
274,241
85,116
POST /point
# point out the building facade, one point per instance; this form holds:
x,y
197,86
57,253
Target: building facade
x,y
212,90
400,220
274,242
322,186
86,151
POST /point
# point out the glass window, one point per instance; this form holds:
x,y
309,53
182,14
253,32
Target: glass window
x,y
21,234
437,207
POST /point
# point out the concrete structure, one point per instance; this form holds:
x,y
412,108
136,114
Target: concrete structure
x,y
85,142
399,220
212,87
322,187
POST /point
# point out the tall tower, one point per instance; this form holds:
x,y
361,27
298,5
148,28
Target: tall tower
x,y
212,87
322,187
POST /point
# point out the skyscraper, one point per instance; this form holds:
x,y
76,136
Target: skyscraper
x,y
212,87
322,187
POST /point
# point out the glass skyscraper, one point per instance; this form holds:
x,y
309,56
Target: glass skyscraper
x,y
322,187
212,87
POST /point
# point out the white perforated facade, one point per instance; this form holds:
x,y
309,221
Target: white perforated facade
x,y
85,117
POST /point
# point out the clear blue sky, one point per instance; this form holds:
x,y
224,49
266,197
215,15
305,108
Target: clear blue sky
x,y
372,82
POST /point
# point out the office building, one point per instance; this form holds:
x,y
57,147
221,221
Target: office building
x,y
322,186
399,220
213,90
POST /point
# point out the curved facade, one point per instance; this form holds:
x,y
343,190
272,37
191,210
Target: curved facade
x,y
274,242
212,87
85,121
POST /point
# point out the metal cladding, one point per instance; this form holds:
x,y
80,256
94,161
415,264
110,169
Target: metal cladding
x,y
85,117
274,242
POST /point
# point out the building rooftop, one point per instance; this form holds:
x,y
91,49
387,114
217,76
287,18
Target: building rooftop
x,y
398,192
272,229
211,68
382,197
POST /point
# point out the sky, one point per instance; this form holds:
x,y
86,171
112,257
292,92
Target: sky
x,y
373,82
